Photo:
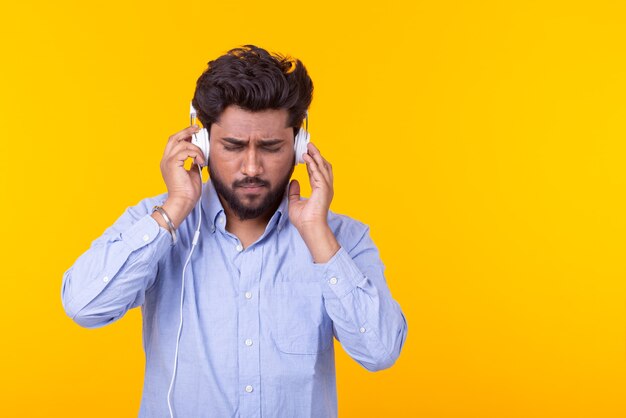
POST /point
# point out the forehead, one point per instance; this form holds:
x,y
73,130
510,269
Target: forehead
x,y
241,123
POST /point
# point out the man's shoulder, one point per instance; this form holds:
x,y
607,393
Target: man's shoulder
x,y
345,226
146,204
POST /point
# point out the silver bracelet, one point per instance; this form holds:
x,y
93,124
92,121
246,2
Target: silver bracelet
x,y
169,223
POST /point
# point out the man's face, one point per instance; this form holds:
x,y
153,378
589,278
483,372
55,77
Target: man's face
x,y
251,159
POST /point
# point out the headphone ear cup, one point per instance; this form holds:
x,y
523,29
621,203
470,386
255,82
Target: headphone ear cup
x,y
300,145
208,147
201,140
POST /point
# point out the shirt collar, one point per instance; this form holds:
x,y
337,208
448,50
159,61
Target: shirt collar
x,y
212,208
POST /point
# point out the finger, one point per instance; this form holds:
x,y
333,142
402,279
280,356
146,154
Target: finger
x,y
313,168
181,135
194,173
184,145
322,164
184,154
315,175
294,192
307,165
178,159
185,133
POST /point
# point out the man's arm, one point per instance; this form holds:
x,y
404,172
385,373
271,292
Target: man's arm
x,y
112,276
367,321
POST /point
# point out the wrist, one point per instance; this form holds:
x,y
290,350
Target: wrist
x,y
177,209
316,228
321,241
168,222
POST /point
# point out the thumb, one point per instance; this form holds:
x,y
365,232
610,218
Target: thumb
x,y
294,192
194,172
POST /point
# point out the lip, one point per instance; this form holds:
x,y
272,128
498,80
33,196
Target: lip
x,y
252,189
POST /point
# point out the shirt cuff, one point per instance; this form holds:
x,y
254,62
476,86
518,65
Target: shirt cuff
x,y
340,275
145,231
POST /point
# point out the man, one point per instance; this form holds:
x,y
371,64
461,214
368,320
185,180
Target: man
x,y
273,276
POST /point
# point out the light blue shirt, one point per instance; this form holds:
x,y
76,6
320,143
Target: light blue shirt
x,y
258,323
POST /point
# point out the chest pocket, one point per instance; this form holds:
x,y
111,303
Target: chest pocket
x,y
300,324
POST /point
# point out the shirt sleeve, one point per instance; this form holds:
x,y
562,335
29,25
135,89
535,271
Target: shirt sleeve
x,y
112,276
367,321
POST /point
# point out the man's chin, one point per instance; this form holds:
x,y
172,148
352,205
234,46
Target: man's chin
x,y
251,199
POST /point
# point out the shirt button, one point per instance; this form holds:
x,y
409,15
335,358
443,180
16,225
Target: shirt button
x,y
239,247
146,237
248,295
248,342
333,280
248,388
362,330
105,279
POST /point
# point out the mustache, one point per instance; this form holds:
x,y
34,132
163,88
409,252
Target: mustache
x,y
249,182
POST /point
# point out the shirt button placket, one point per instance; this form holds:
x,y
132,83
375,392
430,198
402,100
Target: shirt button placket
x,y
248,332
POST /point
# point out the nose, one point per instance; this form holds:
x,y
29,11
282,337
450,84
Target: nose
x,y
252,165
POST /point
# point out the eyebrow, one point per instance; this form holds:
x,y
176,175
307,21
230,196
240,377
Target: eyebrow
x,y
236,141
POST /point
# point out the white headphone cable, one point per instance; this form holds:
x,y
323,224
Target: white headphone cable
x,y
182,293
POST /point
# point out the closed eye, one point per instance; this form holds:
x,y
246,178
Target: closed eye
x,y
240,147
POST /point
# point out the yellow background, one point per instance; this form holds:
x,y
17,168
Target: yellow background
x,y
483,142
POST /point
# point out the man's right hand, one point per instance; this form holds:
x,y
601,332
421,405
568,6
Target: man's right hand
x,y
183,187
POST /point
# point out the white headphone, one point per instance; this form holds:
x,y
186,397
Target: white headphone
x,y
201,138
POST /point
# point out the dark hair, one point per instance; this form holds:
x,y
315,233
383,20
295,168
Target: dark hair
x,y
253,79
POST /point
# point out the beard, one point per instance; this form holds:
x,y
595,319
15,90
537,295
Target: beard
x,y
252,210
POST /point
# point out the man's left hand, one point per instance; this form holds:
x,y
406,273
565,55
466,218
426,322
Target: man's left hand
x,y
310,216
